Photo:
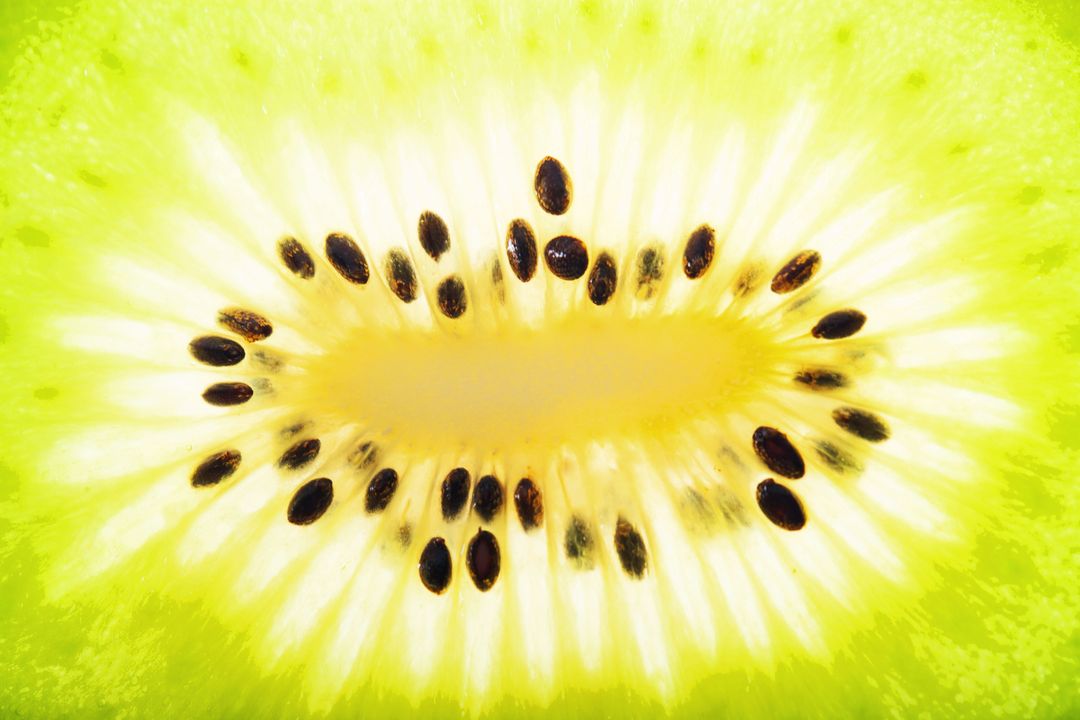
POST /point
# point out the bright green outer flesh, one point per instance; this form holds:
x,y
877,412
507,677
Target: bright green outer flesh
x,y
969,112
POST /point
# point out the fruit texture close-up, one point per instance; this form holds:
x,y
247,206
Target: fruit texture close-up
x,y
576,358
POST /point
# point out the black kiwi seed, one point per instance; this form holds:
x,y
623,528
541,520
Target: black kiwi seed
x,y
347,258
699,252
300,454
436,566
521,250
433,234
861,423
296,258
603,279
451,295
566,257
778,454
482,559
780,505
216,351
488,497
219,466
380,490
401,276
554,191
248,325
311,501
796,272
630,547
839,324
455,492
529,503
578,543
228,393
650,267
821,379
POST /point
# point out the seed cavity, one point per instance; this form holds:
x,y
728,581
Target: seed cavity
x,y
266,361
630,547
228,393
401,276
451,295
836,458
578,543
603,279
839,324
347,258
433,234
300,454
554,191
380,491
521,250
455,492
796,272
529,503
861,423
748,280
404,535
650,267
216,351
482,559
365,455
780,505
817,379
296,258
497,283
248,325
566,257
311,501
435,566
699,252
777,452
219,466
488,497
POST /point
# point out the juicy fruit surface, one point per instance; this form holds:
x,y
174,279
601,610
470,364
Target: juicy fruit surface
x,y
156,155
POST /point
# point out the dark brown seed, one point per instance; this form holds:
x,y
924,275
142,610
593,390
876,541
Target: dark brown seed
x,y
630,547
296,258
778,454
839,324
482,559
521,250
400,276
861,423
311,501
796,272
566,257
554,191
529,503
216,351
780,505
365,454
300,454
451,296
821,379
248,325
380,490
455,492
650,267
700,248
836,458
219,466
228,393
578,543
433,233
347,258
603,279
488,497
436,566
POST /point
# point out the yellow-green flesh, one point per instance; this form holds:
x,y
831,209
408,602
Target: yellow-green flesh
x,y
155,153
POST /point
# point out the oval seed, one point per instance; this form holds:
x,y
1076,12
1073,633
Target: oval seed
x,y
821,379
436,566
219,466
796,272
778,454
296,258
455,492
529,503
554,191
300,454
380,490
400,276
630,547
451,295
861,423
488,497
839,324
603,279
433,234
566,257
311,501
650,271
216,351
780,505
578,543
347,258
699,252
248,325
521,250
482,559
228,393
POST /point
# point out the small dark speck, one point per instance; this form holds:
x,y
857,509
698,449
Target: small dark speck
x,y
1030,195
916,80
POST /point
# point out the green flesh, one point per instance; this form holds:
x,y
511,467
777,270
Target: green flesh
x,y
154,156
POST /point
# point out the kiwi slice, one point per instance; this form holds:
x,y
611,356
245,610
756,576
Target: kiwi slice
x,y
715,359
